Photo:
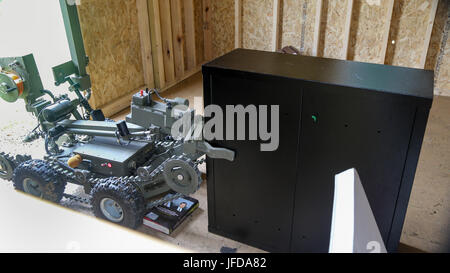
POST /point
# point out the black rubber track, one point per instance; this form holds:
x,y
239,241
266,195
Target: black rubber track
x,y
126,194
50,183
8,161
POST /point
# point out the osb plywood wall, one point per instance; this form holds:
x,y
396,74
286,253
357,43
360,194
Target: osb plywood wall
x,y
443,78
111,37
408,29
436,36
333,28
298,24
222,23
438,57
177,39
393,32
257,24
366,35
114,32
199,41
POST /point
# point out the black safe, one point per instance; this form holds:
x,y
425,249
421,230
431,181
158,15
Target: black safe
x,y
333,115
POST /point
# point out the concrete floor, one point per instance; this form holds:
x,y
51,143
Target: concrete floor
x,y
427,225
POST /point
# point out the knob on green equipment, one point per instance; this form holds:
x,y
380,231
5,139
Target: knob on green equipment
x,y
10,87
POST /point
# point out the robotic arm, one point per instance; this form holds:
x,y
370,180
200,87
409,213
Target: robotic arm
x,y
19,78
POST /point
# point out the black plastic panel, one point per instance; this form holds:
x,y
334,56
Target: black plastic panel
x,y
354,129
244,191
